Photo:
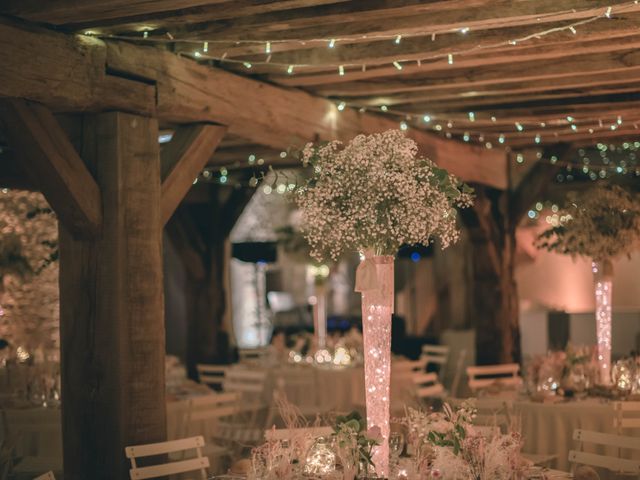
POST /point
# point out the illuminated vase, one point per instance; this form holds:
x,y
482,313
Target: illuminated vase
x,y
603,281
320,315
374,280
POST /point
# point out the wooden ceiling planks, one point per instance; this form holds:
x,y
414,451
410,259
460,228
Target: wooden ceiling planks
x,y
589,72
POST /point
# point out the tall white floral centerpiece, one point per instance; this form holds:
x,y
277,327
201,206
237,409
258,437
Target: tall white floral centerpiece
x,y
371,196
601,224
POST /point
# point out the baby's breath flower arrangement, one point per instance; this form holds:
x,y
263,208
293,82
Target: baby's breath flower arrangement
x,y
600,224
28,271
376,193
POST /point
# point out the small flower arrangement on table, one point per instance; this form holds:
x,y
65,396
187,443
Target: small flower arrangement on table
x,y
445,445
567,371
354,445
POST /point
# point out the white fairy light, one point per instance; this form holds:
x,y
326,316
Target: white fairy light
x,y
341,106
538,139
398,39
341,70
519,126
384,108
248,65
290,69
466,136
267,47
403,126
426,118
573,29
397,65
464,30
205,47
438,128
608,12
472,116
450,59
332,43
197,54
501,138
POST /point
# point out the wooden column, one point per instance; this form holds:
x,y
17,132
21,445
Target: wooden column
x,y
491,224
111,302
199,233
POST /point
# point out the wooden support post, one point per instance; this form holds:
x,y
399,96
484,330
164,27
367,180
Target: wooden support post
x,y
200,231
111,305
492,223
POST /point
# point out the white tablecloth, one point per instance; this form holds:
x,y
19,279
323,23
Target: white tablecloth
x,y
548,427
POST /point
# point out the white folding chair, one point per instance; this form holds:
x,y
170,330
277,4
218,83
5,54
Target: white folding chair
x,y
198,463
481,377
612,463
253,354
212,416
406,368
212,375
436,355
627,415
46,476
427,385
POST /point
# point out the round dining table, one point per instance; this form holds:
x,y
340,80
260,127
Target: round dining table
x,y
547,428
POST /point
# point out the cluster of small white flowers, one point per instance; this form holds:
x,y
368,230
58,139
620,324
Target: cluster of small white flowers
x,y
376,193
600,224
28,270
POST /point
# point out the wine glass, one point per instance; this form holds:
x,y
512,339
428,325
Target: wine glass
x,y
396,445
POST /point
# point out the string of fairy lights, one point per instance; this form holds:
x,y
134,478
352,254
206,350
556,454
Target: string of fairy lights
x,y
449,125
443,124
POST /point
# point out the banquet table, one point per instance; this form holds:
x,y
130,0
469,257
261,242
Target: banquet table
x,y
318,389
548,428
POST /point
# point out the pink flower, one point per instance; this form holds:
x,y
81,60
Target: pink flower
x,y
374,433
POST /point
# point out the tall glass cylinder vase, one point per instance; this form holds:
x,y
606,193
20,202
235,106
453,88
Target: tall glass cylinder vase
x,y
320,314
603,281
374,279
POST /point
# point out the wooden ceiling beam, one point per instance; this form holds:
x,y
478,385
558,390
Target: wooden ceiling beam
x,y
182,160
436,60
505,66
52,163
487,95
180,13
470,86
185,92
65,11
376,51
475,15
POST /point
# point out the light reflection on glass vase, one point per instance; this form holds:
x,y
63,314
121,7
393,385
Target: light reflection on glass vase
x,y
375,281
603,281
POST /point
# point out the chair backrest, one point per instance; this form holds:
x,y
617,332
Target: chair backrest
x,y
212,375
610,462
253,354
46,476
427,385
408,367
198,463
627,415
435,354
289,433
214,406
245,380
487,375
